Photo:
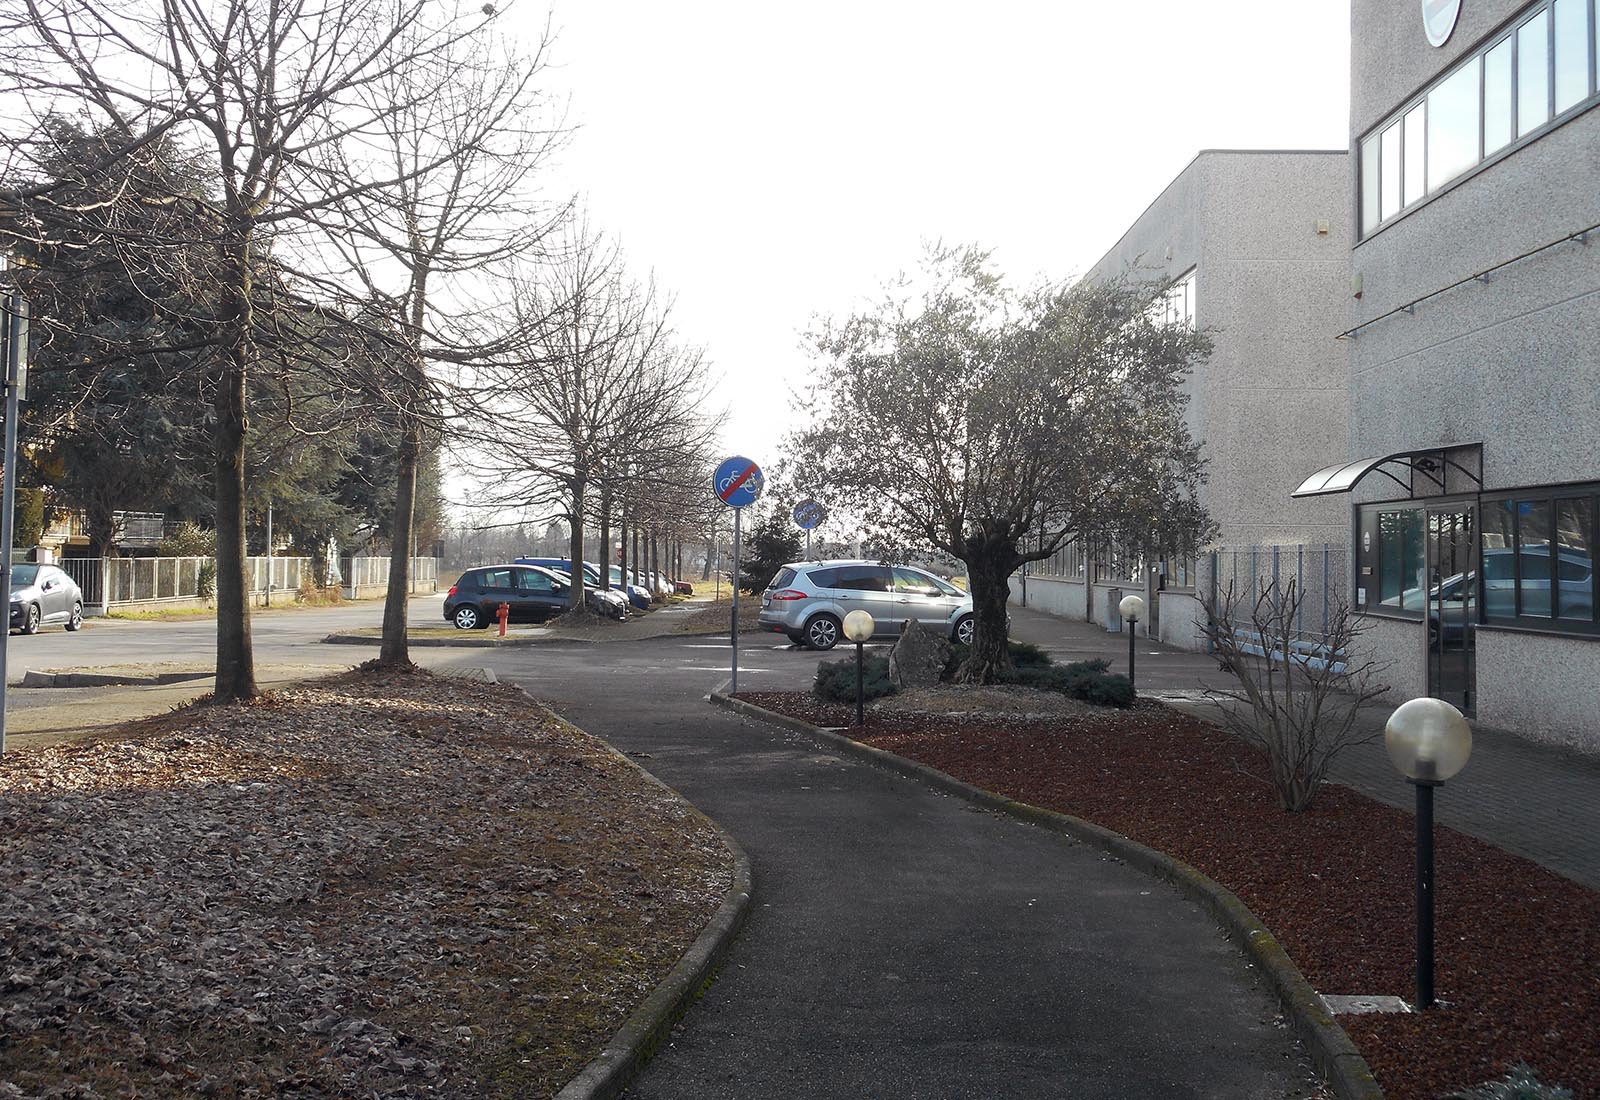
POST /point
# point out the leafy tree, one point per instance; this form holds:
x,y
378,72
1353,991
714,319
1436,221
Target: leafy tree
x,y
996,427
771,544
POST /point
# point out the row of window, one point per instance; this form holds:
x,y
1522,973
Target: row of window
x,y
1534,560
1112,565
1540,67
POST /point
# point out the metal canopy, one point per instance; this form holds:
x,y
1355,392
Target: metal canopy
x,y
1347,475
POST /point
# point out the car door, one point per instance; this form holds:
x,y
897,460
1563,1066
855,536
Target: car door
x,y
54,602
494,589
918,596
866,588
536,596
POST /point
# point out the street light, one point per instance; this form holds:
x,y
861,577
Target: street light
x,y
1429,741
1132,608
858,627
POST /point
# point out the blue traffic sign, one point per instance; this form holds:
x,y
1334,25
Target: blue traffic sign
x,y
737,482
809,514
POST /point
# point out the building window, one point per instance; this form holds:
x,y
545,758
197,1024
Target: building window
x,y
1542,66
1177,304
1538,559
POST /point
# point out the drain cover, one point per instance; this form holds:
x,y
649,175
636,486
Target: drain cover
x,y
1360,1006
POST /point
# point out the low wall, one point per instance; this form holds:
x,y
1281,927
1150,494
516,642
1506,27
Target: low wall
x,y
1054,595
1539,685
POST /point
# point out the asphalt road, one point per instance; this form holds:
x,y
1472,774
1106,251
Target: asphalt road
x,y
903,943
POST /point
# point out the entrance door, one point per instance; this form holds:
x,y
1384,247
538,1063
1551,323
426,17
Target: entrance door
x,y
1453,605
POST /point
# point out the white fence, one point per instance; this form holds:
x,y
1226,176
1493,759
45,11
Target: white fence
x,y
109,583
369,576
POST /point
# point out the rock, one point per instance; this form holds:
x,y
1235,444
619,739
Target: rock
x,y
918,658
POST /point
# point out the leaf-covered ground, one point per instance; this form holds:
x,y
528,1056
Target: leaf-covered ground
x,y
384,885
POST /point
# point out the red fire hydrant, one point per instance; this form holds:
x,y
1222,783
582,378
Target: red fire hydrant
x,y
504,615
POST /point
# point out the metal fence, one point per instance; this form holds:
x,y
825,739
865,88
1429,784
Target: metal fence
x,y
1321,571
113,582
366,573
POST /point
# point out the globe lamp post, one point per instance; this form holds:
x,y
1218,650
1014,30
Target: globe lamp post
x,y
858,627
1132,608
1429,741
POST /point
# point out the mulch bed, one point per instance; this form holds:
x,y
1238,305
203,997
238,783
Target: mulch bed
x,y
381,885
1518,946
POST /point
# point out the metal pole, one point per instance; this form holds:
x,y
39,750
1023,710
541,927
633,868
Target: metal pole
x,y
861,715
808,544
269,553
1424,892
1133,626
734,687
14,337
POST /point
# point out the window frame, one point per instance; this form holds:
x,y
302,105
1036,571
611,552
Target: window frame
x,y
1509,30
1553,496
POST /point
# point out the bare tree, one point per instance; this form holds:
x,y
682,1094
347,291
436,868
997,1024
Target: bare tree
x,y
266,89
1298,699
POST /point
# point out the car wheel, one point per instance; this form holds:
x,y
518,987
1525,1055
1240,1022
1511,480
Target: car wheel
x,y
468,617
30,621
964,630
797,639
822,632
75,620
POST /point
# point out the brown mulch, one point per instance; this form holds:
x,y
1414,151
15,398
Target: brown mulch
x,y
1518,946
381,885
718,616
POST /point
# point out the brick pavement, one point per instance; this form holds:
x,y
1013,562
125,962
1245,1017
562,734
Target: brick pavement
x,y
1529,798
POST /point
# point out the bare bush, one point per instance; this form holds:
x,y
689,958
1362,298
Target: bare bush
x,y
1298,700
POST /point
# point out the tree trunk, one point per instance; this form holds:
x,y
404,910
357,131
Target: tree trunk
x,y
623,559
990,562
236,670
395,650
576,605
655,563
705,570
605,537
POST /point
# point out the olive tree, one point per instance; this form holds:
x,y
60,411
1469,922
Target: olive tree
x,y
996,427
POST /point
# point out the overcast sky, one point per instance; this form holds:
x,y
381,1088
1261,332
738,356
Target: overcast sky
x,y
772,163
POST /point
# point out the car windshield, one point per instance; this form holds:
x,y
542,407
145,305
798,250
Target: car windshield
x,y
23,575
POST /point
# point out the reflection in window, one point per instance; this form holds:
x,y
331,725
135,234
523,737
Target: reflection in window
x,y
1401,575
1453,125
1497,98
1533,539
1416,149
1499,569
1575,558
1572,52
1369,181
1390,163
1533,73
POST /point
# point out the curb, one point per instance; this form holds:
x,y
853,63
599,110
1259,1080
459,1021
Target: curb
x,y
34,679
611,1071
464,643
1331,1050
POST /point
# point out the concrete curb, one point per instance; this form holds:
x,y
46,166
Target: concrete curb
x,y
463,643
1331,1050
611,1071
34,679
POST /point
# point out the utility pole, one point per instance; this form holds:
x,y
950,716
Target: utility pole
x,y
14,359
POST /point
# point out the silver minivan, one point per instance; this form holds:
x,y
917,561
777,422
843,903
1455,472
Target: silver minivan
x,y
808,601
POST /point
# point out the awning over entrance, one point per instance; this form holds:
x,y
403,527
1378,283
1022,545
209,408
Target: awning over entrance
x,y
1347,475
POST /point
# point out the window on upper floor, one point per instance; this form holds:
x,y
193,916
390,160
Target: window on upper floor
x,y
1177,303
1539,69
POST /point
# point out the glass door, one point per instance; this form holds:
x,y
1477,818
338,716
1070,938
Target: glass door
x,y
1452,548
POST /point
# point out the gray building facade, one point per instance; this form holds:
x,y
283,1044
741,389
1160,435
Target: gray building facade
x,y
1257,247
1472,475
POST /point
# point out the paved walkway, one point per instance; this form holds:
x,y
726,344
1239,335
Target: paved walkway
x,y
904,943
1517,794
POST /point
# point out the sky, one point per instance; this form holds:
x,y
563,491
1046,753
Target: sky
x,y
771,163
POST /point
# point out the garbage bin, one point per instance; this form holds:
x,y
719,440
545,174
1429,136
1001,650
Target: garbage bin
x,y
1113,613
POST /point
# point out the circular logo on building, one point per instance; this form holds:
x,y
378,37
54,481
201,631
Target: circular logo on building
x,y
1439,19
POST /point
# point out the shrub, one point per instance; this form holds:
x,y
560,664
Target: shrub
x,y
1023,655
1089,681
1519,1084
188,540
206,580
836,680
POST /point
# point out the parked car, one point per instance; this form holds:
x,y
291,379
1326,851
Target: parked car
x,y
533,594
42,595
683,588
638,594
808,601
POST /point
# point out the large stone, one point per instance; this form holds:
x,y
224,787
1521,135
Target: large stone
x,y
918,658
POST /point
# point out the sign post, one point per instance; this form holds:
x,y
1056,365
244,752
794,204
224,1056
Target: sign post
x,y
809,514
14,370
737,484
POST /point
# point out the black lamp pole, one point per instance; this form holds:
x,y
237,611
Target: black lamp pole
x,y
860,693
1133,625
1424,891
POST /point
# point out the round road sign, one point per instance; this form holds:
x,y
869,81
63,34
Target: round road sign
x,y
737,482
809,514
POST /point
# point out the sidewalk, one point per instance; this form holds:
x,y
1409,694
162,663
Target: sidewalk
x,y
1516,794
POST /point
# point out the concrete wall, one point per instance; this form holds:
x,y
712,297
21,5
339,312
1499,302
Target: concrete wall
x,y
1541,686
1050,594
1271,404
